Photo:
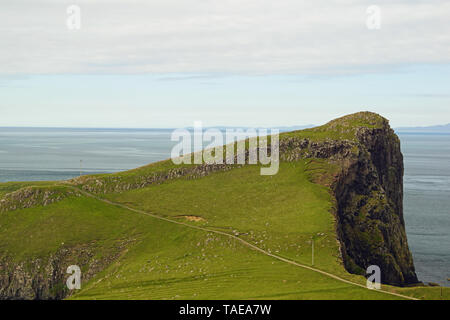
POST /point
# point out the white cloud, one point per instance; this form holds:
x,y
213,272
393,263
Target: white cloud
x,y
237,36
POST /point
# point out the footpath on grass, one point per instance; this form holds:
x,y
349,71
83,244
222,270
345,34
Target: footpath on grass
x,y
238,239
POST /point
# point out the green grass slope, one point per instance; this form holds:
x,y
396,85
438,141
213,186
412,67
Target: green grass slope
x,y
162,260
191,237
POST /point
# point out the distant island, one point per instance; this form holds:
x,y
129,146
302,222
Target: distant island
x,y
431,129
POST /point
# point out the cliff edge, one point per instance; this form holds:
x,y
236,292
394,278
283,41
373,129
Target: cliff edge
x,y
368,188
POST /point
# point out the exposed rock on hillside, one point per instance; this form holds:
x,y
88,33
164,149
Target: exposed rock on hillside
x,y
111,183
34,196
44,278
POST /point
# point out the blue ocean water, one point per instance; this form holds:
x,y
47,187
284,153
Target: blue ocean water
x,y
33,154
427,203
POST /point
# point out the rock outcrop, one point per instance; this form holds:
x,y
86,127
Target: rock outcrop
x,y
117,184
45,278
35,196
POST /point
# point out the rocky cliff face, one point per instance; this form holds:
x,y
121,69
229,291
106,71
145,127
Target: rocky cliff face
x,y
369,193
45,278
39,278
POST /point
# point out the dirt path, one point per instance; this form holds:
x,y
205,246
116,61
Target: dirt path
x,y
238,239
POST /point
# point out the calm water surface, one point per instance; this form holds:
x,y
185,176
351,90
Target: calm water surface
x,y
427,203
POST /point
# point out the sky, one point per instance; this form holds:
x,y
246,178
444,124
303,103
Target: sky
x,y
168,63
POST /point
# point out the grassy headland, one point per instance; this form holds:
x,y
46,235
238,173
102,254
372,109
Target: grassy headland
x,y
164,231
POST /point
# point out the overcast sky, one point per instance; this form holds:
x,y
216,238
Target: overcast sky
x,y
166,63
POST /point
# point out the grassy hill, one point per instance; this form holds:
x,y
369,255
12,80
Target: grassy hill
x,y
185,232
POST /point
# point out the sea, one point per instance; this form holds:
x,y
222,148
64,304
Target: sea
x,y
427,203
36,154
